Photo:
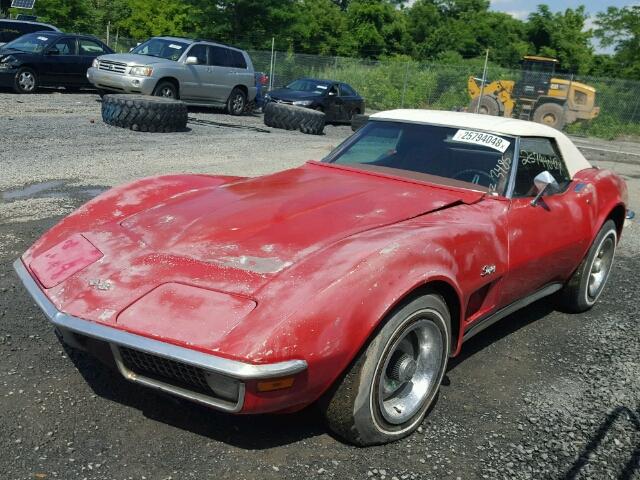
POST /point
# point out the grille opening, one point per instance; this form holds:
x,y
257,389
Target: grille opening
x,y
165,370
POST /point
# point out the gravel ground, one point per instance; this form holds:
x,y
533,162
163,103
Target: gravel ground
x,y
540,395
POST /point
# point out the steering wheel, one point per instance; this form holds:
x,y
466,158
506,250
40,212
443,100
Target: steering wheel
x,y
473,175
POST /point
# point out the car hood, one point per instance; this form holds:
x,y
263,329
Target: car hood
x,y
291,95
134,59
5,52
229,239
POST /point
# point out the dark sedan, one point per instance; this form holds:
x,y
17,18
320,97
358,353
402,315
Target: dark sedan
x,y
339,101
48,59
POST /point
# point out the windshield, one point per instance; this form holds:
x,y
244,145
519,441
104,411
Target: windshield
x,y
162,48
311,86
30,43
478,158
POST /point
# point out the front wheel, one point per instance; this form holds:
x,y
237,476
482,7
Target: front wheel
x,y
385,394
236,102
26,81
166,89
586,284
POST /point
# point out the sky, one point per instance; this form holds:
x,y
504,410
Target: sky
x,y
521,8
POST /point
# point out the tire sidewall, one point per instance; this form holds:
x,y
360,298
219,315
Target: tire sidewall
x,y
234,94
607,230
368,419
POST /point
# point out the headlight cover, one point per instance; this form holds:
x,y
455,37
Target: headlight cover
x,y
303,103
8,62
96,63
143,71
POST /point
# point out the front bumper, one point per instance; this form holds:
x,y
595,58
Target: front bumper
x,y
170,358
120,83
8,77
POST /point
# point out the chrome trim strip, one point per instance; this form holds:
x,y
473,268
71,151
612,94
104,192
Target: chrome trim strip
x,y
224,366
485,322
197,397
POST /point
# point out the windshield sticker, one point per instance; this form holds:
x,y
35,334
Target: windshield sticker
x,y
173,45
480,138
44,39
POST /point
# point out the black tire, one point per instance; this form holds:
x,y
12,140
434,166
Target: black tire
x,y
166,89
550,114
25,81
237,102
144,113
358,121
291,117
579,294
488,105
354,408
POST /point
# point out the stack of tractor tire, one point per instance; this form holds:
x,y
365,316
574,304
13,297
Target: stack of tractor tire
x,y
291,117
144,113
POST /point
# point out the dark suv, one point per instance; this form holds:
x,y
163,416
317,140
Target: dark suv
x,y
12,29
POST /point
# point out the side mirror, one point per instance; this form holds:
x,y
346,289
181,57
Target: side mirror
x,y
544,183
191,61
53,51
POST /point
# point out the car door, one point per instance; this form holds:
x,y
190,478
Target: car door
x,y
546,240
239,70
334,109
223,75
196,85
60,62
351,101
88,49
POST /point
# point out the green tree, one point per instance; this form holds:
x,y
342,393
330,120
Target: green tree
x,y
320,27
562,35
148,18
620,28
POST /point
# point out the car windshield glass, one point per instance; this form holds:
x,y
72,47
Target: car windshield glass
x,y
32,43
162,48
447,155
311,86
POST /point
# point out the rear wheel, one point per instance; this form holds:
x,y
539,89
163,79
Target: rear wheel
x,y
236,102
386,393
585,286
488,105
26,81
166,89
550,114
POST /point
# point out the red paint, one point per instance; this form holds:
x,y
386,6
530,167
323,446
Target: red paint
x,y
323,253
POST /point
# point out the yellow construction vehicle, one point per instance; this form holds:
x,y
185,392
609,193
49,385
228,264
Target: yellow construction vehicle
x,y
538,95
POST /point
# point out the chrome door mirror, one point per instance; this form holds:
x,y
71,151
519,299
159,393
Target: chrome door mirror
x,y
545,184
191,61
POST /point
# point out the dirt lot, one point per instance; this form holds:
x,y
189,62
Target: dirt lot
x,y
540,395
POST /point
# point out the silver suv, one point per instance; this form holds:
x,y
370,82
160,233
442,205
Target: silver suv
x,y
197,72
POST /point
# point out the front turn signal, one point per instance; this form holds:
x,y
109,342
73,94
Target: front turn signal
x,y
275,384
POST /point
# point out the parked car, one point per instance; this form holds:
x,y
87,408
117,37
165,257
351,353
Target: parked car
x,y
198,72
48,59
12,29
351,281
339,101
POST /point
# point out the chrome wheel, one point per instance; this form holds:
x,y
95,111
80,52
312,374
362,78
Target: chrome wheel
x,y
237,104
601,266
166,92
26,81
410,369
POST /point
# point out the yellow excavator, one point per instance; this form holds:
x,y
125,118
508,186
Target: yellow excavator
x,y
537,96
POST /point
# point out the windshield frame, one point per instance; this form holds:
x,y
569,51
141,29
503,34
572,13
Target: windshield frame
x,y
45,44
185,47
424,177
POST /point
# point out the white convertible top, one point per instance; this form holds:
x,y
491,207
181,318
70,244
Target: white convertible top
x,y
573,158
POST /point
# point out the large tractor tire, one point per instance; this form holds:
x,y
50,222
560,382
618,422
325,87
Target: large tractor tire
x,y
291,117
488,105
144,113
358,121
550,114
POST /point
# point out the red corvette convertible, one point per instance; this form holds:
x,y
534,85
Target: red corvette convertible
x,y
347,282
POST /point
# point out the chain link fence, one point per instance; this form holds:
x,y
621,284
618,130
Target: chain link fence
x,y
404,83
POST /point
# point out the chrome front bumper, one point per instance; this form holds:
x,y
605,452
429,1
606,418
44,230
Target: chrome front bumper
x,y
121,82
116,338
